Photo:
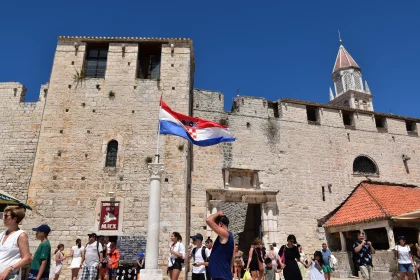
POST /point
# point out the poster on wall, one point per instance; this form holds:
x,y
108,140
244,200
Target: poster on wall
x,y
110,212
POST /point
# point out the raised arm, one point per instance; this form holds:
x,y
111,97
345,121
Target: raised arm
x,y
211,222
358,248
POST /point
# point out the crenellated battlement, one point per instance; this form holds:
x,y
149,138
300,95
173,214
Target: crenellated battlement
x,y
15,93
292,110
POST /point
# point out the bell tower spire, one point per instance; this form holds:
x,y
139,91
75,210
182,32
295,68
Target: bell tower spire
x,y
348,84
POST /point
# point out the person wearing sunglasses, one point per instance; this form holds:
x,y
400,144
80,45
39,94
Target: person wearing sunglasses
x,y
14,245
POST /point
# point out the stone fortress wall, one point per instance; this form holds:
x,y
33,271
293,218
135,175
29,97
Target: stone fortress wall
x,y
20,124
66,179
297,158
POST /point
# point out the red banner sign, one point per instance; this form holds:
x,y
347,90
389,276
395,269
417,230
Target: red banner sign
x,y
110,213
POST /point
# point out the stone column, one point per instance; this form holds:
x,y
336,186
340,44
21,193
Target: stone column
x,y
352,103
214,206
269,221
343,242
226,177
418,236
152,246
391,240
254,180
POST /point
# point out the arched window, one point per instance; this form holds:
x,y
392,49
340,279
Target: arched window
x,y
365,165
111,154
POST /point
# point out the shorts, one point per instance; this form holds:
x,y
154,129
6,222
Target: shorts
x,y
89,273
176,265
111,272
366,271
58,268
405,267
34,273
198,276
326,268
238,266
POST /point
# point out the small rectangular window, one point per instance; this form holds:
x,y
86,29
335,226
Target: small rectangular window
x,y
411,126
275,107
348,119
96,57
312,114
380,122
149,61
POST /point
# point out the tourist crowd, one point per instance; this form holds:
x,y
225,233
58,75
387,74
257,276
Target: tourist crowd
x,y
221,260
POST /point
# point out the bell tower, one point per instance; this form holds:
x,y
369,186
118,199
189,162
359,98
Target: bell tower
x,y
348,83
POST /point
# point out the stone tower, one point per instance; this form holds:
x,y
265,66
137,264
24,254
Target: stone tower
x,y
98,134
348,83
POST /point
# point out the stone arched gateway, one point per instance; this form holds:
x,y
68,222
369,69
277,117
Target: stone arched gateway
x,y
252,213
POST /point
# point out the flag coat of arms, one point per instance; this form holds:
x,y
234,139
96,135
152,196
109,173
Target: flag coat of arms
x,y
198,131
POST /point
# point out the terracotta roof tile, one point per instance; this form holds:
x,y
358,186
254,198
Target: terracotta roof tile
x,y
371,201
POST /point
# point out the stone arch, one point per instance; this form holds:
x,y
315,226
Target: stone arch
x,y
364,164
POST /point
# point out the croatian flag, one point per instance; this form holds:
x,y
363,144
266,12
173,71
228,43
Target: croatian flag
x,y
198,131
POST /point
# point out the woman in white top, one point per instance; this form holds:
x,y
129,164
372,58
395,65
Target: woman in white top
x,y
14,245
176,257
76,252
59,258
405,261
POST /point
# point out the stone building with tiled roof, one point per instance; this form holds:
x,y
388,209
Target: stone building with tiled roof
x,y
79,156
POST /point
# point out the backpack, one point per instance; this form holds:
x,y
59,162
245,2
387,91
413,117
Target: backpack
x,y
205,258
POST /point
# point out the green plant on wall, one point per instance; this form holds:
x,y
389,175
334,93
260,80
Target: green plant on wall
x,y
224,121
79,76
181,147
148,160
111,94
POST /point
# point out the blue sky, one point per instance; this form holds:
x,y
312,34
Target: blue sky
x,y
270,49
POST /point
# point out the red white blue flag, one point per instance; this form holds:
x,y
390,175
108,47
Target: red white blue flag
x,y
198,131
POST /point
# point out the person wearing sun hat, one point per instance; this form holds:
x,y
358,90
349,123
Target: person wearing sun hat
x,y
41,262
140,264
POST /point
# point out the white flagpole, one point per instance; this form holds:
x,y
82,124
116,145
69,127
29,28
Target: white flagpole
x,y
158,136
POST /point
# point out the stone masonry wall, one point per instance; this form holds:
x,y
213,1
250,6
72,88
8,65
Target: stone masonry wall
x,y
297,158
70,178
20,124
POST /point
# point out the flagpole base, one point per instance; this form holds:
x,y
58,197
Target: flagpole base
x,y
151,274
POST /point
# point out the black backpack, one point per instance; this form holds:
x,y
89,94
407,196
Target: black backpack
x,y
205,258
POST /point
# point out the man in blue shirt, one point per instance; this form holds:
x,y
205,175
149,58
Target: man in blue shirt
x,y
326,255
222,257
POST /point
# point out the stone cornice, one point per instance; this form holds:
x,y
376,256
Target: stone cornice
x,y
252,192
